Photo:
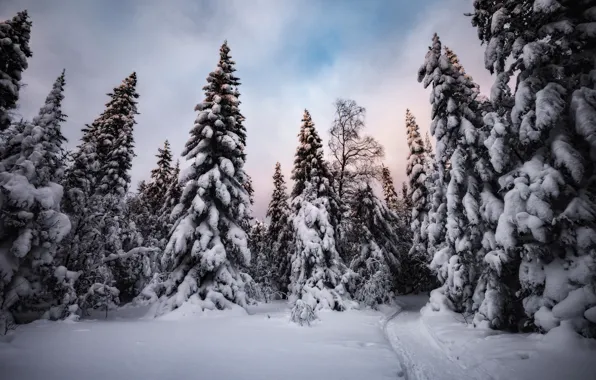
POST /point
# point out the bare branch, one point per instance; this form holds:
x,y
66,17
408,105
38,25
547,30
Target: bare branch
x,y
354,156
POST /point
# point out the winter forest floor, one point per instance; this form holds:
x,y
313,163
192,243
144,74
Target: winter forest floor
x,y
397,343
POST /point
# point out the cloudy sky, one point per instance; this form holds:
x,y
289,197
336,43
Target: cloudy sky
x,y
290,55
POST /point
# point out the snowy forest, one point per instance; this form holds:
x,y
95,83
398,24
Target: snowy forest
x,y
496,222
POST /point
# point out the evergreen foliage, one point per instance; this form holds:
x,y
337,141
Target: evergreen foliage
x,y
32,281
318,276
389,193
279,233
376,233
14,51
416,171
542,144
208,244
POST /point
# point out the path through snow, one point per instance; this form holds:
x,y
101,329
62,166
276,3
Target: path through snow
x,y
421,356
439,346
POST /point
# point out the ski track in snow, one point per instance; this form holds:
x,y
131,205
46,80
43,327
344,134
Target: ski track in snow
x,y
420,355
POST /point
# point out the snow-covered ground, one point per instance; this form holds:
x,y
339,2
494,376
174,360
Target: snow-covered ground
x,y
227,345
442,347
400,343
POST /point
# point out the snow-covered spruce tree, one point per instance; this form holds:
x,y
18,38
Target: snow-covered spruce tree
x,y
279,232
249,220
416,171
261,268
405,204
389,193
115,141
428,148
32,282
167,216
96,185
143,211
318,277
115,153
455,124
207,244
544,149
376,233
14,51
160,178
228,66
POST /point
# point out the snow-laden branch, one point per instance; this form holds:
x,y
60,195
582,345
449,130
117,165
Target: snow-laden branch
x,y
131,253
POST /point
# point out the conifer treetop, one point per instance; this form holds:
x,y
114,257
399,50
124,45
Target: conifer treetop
x,y
114,131
415,142
454,59
278,205
389,193
40,142
160,178
309,163
428,146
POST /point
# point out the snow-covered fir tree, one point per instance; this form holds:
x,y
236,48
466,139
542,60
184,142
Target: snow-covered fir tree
x,y
115,141
319,278
208,244
377,234
455,124
262,266
405,204
428,148
160,178
115,153
32,282
389,193
437,204
14,51
167,217
543,147
279,233
148,214
96,185
416,171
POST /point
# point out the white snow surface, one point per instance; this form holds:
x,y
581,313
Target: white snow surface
x,y
410,342
441,346
190,344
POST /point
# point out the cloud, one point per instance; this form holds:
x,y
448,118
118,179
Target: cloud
x,y
367,51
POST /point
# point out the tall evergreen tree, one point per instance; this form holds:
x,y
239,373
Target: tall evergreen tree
x,y
544,149
376,232
208,244
456,120
172,198
262,267
31,223
160,178
405,204
317,276
115,142
389,193
418,194
96,184
279,234
14,51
